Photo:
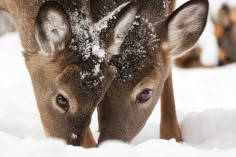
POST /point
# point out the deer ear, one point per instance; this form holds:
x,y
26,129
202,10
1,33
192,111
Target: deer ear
x,y
52,28
185,26
224,16
123,23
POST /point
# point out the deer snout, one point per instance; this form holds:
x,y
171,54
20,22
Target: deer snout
x,y
76,134
106,135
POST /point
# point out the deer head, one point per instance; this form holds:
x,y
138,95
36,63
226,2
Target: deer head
x,y
145,38
70,72
225,32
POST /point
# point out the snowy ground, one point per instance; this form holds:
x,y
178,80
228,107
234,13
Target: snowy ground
x,y
205,100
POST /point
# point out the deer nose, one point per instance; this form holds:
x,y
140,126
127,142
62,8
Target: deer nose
x,y
76,138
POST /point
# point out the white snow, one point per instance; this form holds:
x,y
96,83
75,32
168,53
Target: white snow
x,y
103,23
205,102
74,136
96,69
98,51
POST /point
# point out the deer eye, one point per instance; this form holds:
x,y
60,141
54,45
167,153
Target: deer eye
x,y
144,96
62,102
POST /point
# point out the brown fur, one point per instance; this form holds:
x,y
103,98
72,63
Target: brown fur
x,y
120,116
24,17
55,74
144,62
169,123
89,140
225,32
191,59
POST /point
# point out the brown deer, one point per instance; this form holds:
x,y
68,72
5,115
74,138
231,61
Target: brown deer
x,y
69,69
145,38
225,32
63,47
191,59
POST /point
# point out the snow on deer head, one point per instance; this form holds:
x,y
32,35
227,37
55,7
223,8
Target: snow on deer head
x,y
70,71
145,38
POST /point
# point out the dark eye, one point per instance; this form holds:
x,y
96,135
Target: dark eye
x,y
62,102
144,96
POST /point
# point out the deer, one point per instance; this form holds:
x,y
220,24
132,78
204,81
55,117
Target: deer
x,y
192,59
123,67
69,69
145,38
225,32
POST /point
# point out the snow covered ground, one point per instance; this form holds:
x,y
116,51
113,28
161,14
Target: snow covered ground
x,y
205,100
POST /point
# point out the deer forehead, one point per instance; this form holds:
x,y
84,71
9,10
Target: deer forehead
x,y
139,50
86,45
84,48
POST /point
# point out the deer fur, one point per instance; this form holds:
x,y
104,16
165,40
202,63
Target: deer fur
x,y
144,62
225,32
60,62
191,59
136,37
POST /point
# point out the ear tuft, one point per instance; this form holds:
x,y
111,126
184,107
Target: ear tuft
x,y
186,25
52,28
